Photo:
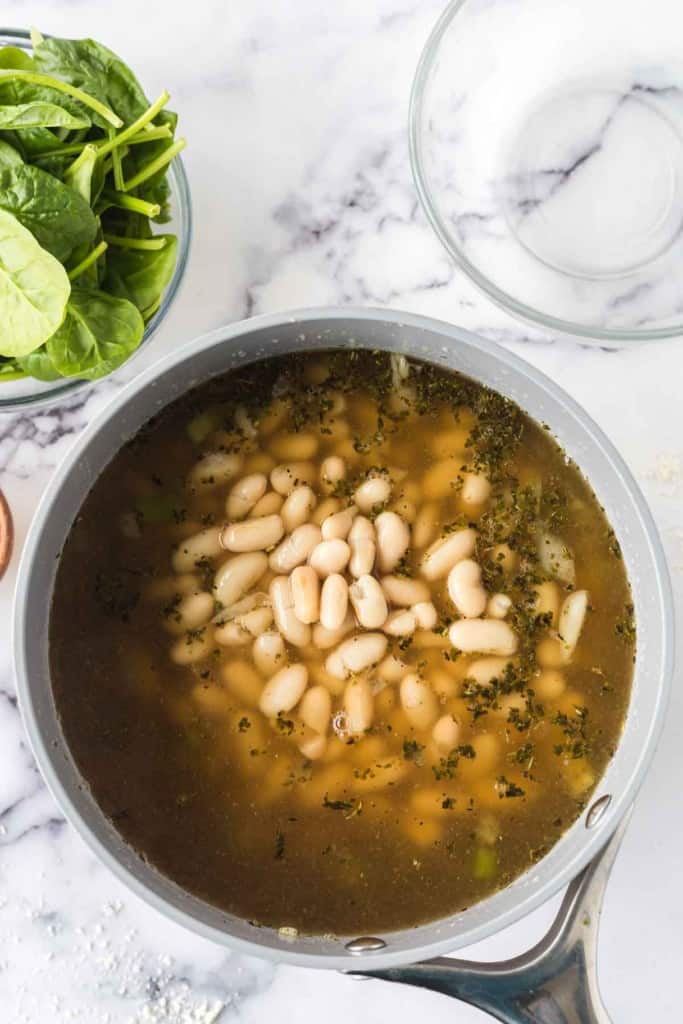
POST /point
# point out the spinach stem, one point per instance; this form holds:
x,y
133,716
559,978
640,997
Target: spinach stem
x,y
88,261
155,165
82,157
116,164
35,78
123,242
73,148
125,202
136,126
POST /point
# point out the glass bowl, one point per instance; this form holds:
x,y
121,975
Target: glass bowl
x,y
546,142
27,393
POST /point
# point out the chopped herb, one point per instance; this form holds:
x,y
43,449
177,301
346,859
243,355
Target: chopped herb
x,y
412,751
279,845
244,724
506,789
626,625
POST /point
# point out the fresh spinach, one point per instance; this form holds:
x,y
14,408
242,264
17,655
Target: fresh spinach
x,y
99,332
40,114
59,217
141,275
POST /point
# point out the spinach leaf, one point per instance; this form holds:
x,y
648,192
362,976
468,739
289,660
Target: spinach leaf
x,y
34,289
9,156
98,334
40,114
14,57
39,364
97,70
58,216
141,275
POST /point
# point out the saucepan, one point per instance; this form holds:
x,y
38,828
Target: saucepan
x,y
555,982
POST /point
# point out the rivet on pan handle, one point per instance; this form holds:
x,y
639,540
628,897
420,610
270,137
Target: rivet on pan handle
x,y
555,982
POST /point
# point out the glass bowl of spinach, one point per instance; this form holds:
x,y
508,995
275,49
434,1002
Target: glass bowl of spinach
x,y
95,215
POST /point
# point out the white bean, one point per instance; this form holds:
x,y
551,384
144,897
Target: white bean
x,y
356,654
465,588
334,601
369,602
424,526
293,630
190,613
325,638
572,618
330,556
444,553
168,588
498,607
253,534
316,708
393,540
296,548
486,636
288,475
400,623
243,681
238,575
298,507
547,601
305,586
418,701
359,706
326,508
244,495
446,733
284,690
193,646
549,684
337,525
425,614
440,479
556,558
391,669
361,540
405,592
332,471
294,446
268,652
313,746
268,505
214,470
373,492
484,670
476,489
244,628
244,423
194,550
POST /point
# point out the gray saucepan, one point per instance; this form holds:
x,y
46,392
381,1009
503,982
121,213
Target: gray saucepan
x,y
447,346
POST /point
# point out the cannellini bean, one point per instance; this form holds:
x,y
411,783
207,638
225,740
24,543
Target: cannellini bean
x,y
330,556
193,646
258,462
284,690
369,602
253,534
465,588
547,601
425,614
498,606
446,733
305,586
485,670
296,548
391,669
244,495
316,709
244,628
313,746
326,508
440,558
440,479
293,630
503,556
192,551
393,539
190,613
325,638
373,492
268,505
424,526
418,701
550,652
298,507
214,470
334,601
486,636
238,575
451,442
332,471
356,654
243,682
403,591
476,489
288,475
556,558
361,540
359,706
338,524
400,623
294,446
572,618
166,588
269,652
549,684
405,508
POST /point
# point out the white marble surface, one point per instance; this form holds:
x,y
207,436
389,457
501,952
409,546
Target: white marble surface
x,y
296,118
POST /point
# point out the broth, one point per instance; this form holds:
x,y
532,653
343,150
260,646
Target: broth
x,y
419,755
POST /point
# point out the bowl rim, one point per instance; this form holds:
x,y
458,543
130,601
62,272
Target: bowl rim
x,y
592,841
70,385
587,335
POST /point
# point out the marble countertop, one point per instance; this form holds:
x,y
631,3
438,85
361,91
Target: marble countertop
x,y
296,119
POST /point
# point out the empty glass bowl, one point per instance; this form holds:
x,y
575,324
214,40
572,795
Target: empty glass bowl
x,y
27,393
547,147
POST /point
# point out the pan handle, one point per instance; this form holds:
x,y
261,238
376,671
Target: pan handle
x,y
554,982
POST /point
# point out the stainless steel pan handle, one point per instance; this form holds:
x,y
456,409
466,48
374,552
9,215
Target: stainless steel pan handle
x,y
555,982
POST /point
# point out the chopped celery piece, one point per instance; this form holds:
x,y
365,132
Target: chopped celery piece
x,y
485,863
